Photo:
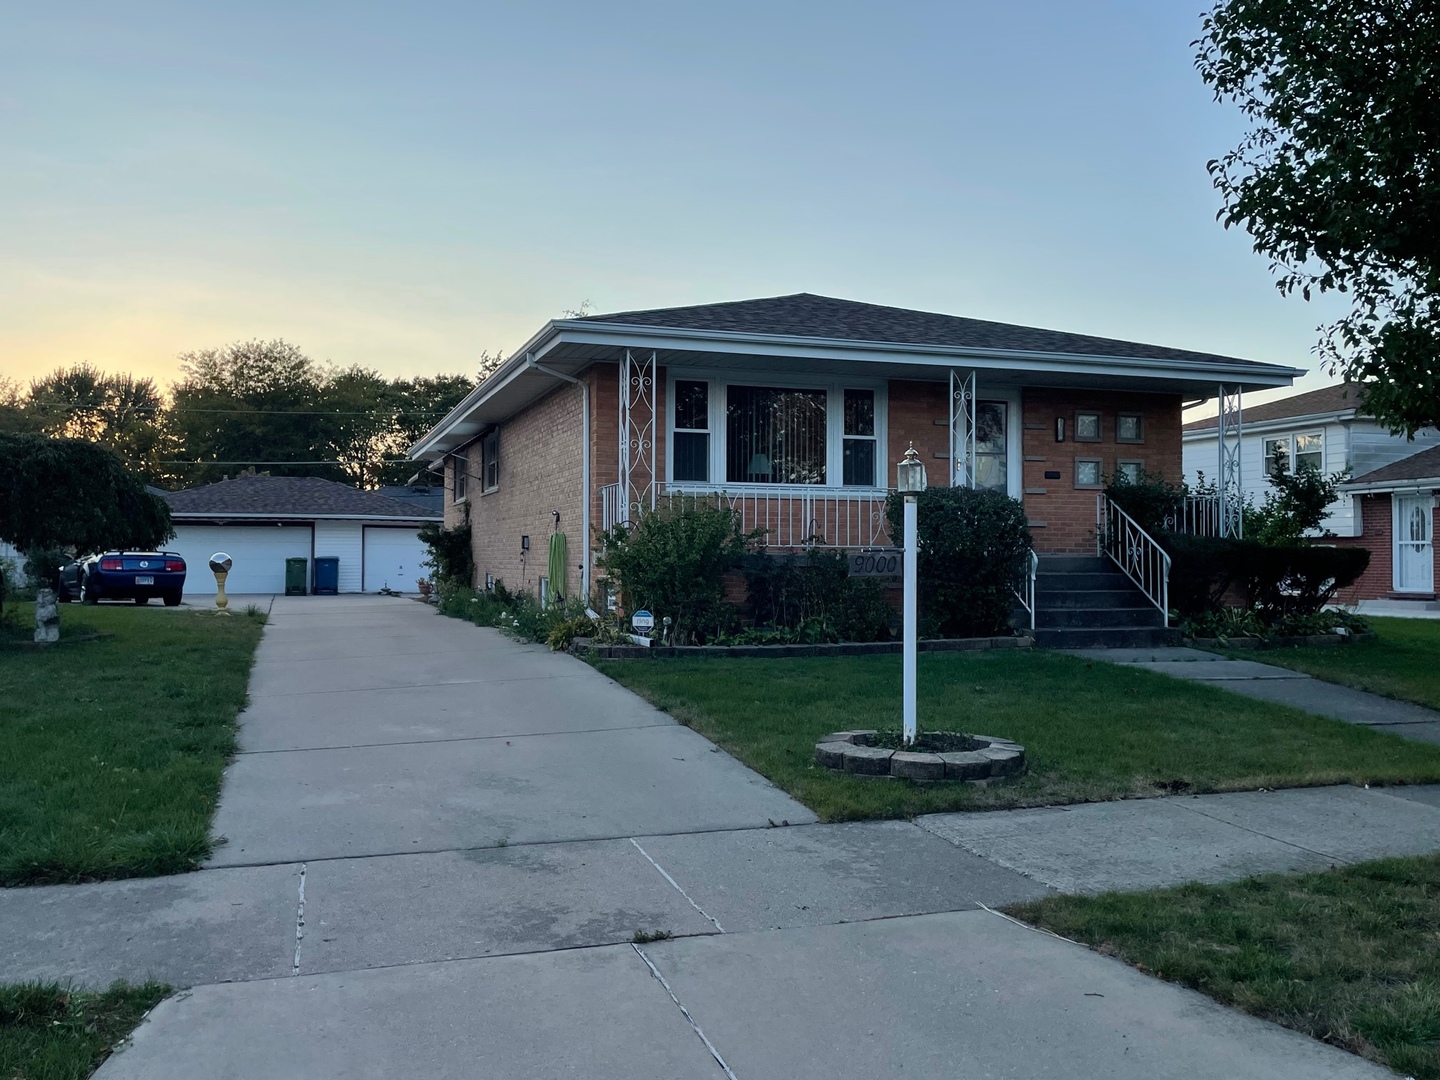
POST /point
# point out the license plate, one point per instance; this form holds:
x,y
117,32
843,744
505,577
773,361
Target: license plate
x,y
144,580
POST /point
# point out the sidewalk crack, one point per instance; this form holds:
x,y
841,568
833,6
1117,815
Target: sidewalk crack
x,y
684,1011
672,881
299,923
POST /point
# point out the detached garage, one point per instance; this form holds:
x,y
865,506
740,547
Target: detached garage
x,y
262,521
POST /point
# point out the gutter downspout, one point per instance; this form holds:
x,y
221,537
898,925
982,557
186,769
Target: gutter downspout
x,y
585,498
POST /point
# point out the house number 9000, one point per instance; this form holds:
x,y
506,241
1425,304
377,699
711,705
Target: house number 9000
x,y
876,564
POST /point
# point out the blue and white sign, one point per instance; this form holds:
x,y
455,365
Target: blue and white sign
x,y
643,621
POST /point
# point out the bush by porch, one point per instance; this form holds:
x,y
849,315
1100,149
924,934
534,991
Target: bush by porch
x,y
1092,732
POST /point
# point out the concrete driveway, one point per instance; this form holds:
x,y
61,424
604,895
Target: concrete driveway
x,y
440,844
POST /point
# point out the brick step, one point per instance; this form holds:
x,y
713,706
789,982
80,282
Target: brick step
x,y
1098,618
1072,581
1128,637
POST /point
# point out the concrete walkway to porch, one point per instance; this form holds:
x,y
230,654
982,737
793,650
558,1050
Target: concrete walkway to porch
x,y
440,844
1266,682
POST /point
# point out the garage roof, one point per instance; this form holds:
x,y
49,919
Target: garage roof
x,y
302,497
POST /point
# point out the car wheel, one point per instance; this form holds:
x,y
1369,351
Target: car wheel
x,y
88,595
172,599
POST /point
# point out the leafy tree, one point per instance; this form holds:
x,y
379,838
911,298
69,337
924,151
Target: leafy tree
x,y
1338,180
14,417
68,493
1294,506
118,411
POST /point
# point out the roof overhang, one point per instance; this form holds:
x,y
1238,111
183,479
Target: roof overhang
x,y
1278,424
1423,486
222,517
567,347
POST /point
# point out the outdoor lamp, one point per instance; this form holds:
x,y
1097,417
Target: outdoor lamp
x,y
910,473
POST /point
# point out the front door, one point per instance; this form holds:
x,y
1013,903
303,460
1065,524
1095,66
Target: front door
x,y
1414,554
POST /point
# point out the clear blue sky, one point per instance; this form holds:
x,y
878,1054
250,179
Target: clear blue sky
x,y
406,185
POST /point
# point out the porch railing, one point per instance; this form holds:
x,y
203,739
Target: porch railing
x,y
1024,589
1135,551
791,517
1196,515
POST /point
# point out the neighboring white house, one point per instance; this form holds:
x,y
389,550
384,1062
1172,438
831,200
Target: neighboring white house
x,y
261,521
1323,428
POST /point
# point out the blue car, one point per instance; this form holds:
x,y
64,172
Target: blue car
x,y
133,575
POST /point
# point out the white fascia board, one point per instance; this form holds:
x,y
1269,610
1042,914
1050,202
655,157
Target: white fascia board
x,y
196,517
1423,486
616,334
1280,424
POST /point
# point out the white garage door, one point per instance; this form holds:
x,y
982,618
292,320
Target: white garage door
x,y
393,558
259,552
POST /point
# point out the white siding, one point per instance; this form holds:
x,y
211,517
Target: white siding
x,y
341,539
259,553
1371,446
16,563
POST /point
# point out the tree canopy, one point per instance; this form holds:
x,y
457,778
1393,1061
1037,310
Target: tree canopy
x,y
58,493
1338,179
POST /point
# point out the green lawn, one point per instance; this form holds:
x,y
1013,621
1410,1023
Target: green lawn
x,y
1347,956
1092,731
111,751
48,1032
1402,662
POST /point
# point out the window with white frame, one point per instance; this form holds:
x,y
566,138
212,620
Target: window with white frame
x,y
490,461
780,432
460,463
1277,455
1287,453
1309,451
858,467
690,433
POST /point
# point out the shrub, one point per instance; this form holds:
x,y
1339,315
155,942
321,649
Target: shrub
x,y
1202,569
42,567
973,547
1297,579
563,634
673,562
814,597
1149,500
451,555
1295,505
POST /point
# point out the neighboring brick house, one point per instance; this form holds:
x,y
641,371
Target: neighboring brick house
x,y
1395,506
794,410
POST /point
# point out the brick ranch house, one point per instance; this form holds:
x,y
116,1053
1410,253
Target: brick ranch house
x,y
794,409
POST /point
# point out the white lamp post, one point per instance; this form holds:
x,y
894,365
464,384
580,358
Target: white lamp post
x,y
910,481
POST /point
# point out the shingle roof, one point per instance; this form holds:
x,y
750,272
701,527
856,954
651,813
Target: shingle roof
x,y
428,498
808,315
290,496
1328,399
1422,466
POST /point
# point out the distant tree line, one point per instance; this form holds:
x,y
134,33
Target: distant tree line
x,y
261,405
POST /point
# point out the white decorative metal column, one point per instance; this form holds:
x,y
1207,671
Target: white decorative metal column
x,y
962,428
910,481
1229,480
637,434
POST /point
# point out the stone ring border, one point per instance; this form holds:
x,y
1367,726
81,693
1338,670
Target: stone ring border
x,y
849,751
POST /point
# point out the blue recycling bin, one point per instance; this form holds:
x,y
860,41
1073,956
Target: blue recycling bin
x,y
327,575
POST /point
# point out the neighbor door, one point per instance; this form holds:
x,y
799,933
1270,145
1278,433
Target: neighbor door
x,y
1414,553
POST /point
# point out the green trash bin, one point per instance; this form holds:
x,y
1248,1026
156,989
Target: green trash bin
x,y
297,575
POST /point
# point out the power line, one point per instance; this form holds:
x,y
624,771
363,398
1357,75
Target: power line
x,y
382,461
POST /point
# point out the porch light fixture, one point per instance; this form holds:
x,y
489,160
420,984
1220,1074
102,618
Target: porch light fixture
x,y
1059,429
910,481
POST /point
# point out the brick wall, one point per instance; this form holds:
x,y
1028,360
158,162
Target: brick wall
x,y
919,414
1062,516
540,467
1376,535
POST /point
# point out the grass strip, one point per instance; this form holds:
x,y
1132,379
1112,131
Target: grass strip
x,y
112,750
50,1032
1400,662
1346,956
1092,731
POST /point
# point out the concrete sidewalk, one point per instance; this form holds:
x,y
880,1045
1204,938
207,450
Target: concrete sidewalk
x,y
1266,682
440,844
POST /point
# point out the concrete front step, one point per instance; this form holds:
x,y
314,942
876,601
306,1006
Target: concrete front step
x,y
1053,599
1070,581
1125,637
1069,564
1061,618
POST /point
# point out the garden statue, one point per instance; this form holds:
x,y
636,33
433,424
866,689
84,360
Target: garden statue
x,y
47,616
220,564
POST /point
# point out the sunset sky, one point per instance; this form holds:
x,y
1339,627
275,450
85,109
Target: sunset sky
x,y
404,186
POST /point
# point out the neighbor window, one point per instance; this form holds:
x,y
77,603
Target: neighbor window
x,y
1308,451
774,435
1087,427
490,452
461,475
1277,455
1132,471
1129,428
690,439
990,445
1087,473
858,467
